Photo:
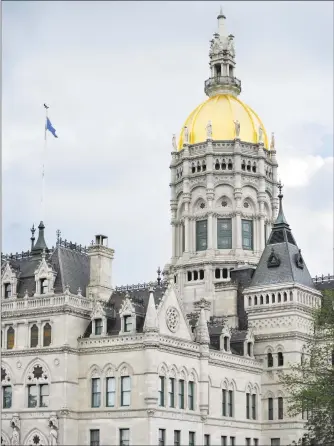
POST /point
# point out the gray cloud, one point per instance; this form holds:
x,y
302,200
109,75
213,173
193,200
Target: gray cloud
x,y
121,77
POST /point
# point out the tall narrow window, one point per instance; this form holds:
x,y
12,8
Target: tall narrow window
x,y
230,403
224,233
162,437
275,442
96,392
280,407
8,290
280,359
94,437
256,441
191,438
247,234
206,440
177,438
181,394
44,395
110,392
247,406
32,395
98,326
191,386
125,391
224,403
10,338
34,336
270,409
232,441
124,437
270,360
249,348
171,391
161,391
201,235
127,323
223,440
6,397
183,235
254,406
46,335
248,442
44,286
226,346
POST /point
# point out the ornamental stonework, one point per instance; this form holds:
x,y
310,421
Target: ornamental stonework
x,y
172,319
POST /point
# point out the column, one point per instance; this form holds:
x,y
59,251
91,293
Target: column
x,y
238,230
173,240
186,234
210,245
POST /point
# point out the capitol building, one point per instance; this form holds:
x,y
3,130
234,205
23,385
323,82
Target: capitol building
x,y
193,357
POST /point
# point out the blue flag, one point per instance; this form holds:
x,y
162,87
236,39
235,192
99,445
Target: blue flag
x,y
49,127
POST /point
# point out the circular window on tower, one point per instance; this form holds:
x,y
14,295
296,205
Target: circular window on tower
x,y
202,205
246,204
224,203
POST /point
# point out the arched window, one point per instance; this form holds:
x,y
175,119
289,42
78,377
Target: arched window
x,y
248,166
254,168
270,360
280,407
267,299
229,166
8,290
261,300
201,274
243,165
249,349
217,273
34,336
6,389
226,343
46,335
285,296
204,166
280,359
10,338
193,168
198,166
217,165
255,300
273,298
249,301
224,164
279,297
195,275
291,295
270,408
38,387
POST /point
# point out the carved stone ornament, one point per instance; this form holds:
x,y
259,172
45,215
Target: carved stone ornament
x,y
273,259
53,434
186,135
172,319
174,143
299,260
98,310
15,425
237,128
209,130
260,135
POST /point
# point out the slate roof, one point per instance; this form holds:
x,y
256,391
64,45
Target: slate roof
x,y
281,260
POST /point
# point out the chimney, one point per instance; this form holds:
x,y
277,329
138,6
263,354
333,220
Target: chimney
x,y
100,268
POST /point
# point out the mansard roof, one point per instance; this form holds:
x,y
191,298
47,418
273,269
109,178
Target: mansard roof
x,y
71,267
281,260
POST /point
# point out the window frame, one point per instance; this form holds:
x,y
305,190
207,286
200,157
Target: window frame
x,y
181,393
122,441
7,290
230,403
161,391
5,397
192,438
94,442
177,437
249,223
191,395
96,393
280,408
35,338
125,392
270,409
98,326
128,322
12,335
162,437
224,402
199,235
171,392
45,335
248,406
43,285
254,408
41,396
220,232
112,393
30,396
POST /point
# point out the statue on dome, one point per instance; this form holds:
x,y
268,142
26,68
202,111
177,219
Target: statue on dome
x,y
260,135
230,45
186,135
272,142
174,142
209,130
237,128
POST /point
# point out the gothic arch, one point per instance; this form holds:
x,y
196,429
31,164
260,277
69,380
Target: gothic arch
x,y
252,203
184,371
9,370
163,369
32,437
233,384
109,370
256,389
196,203
124,369
94,371
268,394
269,349
34,362
280,348
193,375
173,371
5,440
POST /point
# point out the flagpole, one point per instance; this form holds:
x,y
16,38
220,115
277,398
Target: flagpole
x,y
43,165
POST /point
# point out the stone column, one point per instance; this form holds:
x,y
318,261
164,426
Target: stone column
x,y
210,197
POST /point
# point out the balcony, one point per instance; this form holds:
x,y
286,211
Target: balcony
x,y
223,85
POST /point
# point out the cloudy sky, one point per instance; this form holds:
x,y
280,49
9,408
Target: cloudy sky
x,y
120,79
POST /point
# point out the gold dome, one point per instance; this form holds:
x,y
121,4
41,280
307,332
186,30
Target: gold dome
x,y
222,110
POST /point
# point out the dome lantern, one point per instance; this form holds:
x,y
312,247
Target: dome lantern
x,y
222,63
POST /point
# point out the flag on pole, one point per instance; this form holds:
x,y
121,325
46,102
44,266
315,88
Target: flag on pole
x,y
49,127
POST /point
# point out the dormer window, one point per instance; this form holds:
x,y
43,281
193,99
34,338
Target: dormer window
x,y
8,290
44,286
98,326
227,343
127,324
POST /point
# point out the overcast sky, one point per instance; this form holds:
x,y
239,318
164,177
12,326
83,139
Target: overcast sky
x,y
120,79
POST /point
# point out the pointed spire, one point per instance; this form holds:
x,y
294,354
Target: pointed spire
x,y
280,220
32,238
202,331
221,25
151,323
40,244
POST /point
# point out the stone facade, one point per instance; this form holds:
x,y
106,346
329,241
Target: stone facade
x,y
192,358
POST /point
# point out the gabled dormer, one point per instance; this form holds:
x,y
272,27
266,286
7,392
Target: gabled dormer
x,y
8,281
249,344
225,339
45,277
127,314
99,319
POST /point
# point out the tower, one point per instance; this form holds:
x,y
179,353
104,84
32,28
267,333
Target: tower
x,y
223,187
279,304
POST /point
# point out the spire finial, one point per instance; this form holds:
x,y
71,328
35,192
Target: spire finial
x,y
32,238
280,217
280,187
221,15
159,276
58,234
40,244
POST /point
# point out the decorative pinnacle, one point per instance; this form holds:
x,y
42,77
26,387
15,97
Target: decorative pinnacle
x,y
58,234
280,187
221,15
159,275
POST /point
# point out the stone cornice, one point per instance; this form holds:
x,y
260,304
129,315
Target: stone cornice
x,y
39,351
281,336
65,309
